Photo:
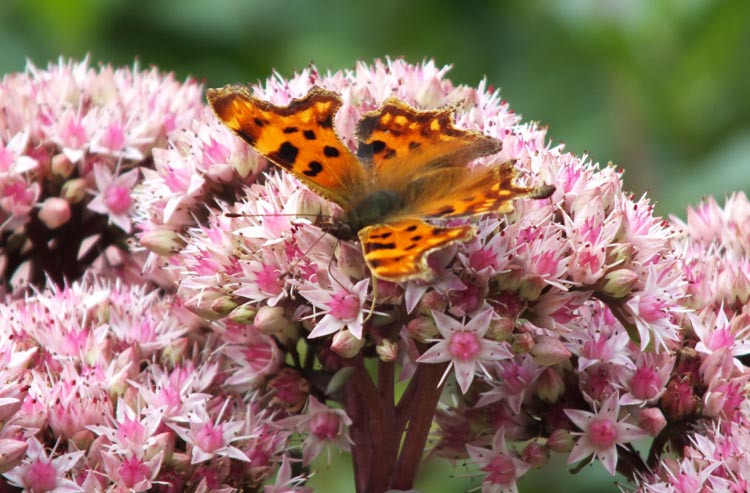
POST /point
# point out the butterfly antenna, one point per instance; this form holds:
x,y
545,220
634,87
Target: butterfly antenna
x,y
374,297
304,255
330,262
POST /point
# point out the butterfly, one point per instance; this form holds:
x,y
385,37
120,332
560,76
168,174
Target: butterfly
x,y
410,167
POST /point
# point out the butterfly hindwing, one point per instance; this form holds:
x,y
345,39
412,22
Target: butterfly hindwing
x,y
397,251
299,137
400,143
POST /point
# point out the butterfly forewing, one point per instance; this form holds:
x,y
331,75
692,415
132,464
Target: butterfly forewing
x,y
397,251
401,143
300,138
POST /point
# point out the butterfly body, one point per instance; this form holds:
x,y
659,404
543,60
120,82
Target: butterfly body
x,y
410,168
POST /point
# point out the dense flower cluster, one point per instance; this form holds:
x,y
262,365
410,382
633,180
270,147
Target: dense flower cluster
x,y
576,324
72,141
707,395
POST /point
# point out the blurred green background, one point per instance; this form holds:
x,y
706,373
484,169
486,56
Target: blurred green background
x,y
660,87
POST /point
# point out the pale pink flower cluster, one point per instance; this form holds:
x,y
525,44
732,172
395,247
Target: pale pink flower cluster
x,y
72,141
108,388
577,324
580,288
708,392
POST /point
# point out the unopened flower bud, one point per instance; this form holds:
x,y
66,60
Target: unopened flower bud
x,y
62,166
305,203
74,190
387,350
175,352
289,389
271,320
501,329
54,212
346,345
679,400
531,288
535,454
549,351
12,451
522,343
620,253
550,385
619,282
243,314
82,439
181,462
561,441
163,442
432,300
422,328
211,304
162,241
652,420
350,262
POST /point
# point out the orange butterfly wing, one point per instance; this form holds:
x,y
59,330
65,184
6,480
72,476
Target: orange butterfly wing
x,y
401,143
299,138
398,250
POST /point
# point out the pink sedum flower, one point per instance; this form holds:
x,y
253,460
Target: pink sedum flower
x,y
602,433
40,473
503,468
464,346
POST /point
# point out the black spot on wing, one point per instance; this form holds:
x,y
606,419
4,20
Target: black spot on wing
x,y
382,236
381,246
390,154
250,139
377,146
291,130
313,169
416,237
448,209
286,155
413,145
413,227
309,134
259,122
330,151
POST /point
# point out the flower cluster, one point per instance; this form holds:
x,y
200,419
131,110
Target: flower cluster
x,y
558,320
108,387
72,141
576,324
707,395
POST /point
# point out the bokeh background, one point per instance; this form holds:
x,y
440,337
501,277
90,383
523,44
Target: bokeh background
x,y
659,87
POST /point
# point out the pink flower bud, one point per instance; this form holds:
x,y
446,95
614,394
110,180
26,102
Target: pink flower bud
x,y
74,190
550,385
54,212
346,345
432,300
549,351
162,241
652,420
11,453
679,399
387,350
422,328
561,441
289,389
223,305
522,343
535,454
619,282
61,166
